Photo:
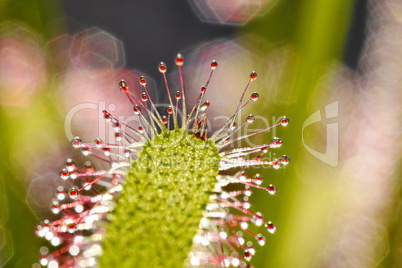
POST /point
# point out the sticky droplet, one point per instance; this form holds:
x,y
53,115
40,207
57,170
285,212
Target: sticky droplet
x,y
162,67
123,86
260,239
142,81
276,164
258,179
98,143
247,255
144,97
64,174
169,110
271,189
276,142
254,96
76,142
250,118
85,151
270,227
73,192
285,160
253,76
179,60
284,121
136,110
214,65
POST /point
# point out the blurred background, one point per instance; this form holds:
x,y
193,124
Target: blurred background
x,y
333,67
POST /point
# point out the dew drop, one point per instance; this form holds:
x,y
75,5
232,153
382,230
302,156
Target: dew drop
x,y
55,241
44,261
89,167
164,120
116,179
87,186
276,142
247,192
64,174
257,179
270,227
247,255
141,130
178,95
169,110
244,225
235,262
46,226
55,206
61,195
203,89
107,117
144,97
127,153
44,250
118,137
285,160
72,227
76,142
179,60
85,151
240,237
162,67
142,81
260,239
253,76
73,192
271,189
106,151
246,204
258,219
74,250
70,165
123,86
204,106
122,83
250,118
276,164
73,174
284,121
117,126
214,65
250,247
254,96
136,110
223,234
98,142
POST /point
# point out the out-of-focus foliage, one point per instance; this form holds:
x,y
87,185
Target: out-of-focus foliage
x,y
28,127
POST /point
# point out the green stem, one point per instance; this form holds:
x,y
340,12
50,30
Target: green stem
x,y
160,208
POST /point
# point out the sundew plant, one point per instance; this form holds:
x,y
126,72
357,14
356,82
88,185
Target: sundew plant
x,y
174,194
